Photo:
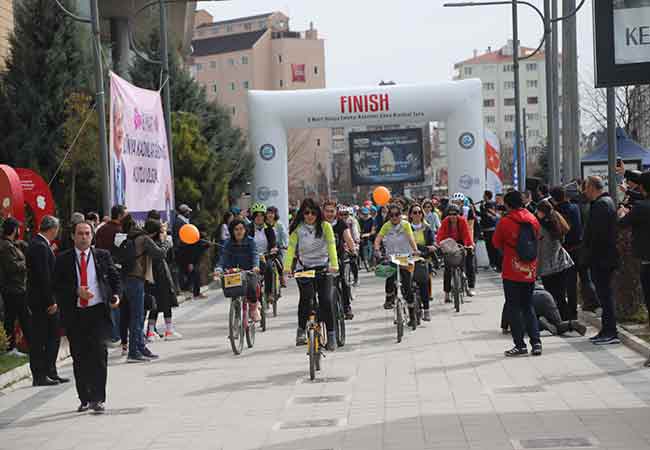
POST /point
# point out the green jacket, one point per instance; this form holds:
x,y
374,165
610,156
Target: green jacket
x,y
13,268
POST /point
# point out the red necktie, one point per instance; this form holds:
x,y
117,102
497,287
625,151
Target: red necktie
x,y
83,274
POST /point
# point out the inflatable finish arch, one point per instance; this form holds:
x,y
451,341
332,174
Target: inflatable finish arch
x,y
458,104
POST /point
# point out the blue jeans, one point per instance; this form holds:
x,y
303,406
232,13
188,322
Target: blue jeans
x,y
519,306
135,296
602,278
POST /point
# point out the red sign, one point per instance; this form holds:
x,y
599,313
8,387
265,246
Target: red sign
x,y
493,160
12,203
298,72
364,103
36,194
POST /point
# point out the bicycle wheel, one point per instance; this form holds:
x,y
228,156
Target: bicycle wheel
x,y
235,327
263,311
340,319
456,288
311,340
277,293
250,334
399,319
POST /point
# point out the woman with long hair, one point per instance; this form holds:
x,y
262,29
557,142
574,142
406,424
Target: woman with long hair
x,y
312,244
553,260
425,240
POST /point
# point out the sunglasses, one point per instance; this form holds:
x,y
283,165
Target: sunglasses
x,y
310,212
452,214
417,212
396,214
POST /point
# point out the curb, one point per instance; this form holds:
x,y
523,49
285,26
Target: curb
x,y
20,373
628,339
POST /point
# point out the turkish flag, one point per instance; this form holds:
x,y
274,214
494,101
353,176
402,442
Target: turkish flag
x,y
493,160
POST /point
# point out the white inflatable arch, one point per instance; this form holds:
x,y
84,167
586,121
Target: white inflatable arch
x,y
458,104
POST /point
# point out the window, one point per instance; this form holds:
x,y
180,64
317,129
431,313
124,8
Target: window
x,y
490,119
531,67
281,83
231,61
233,86
488,86
214,87
508,68
281,24
234,110
199,67
489,103
279,59
244,59
467,71
508,102
213,64
246,84
533,133
531,83
533,100
229,30
509,118
509,85
316,70
510,134
317,142
248,26
216,29
338,131
532,116
262,24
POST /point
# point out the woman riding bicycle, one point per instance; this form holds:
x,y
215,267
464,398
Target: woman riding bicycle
x,y
240,252
455,227
281,236
345,246
425,240
265,241
397,236
312,243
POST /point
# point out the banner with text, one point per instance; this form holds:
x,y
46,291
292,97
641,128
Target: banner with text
x,y
140,174
631,31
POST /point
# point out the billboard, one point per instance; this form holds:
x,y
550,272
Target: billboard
x,y
386,157
622,42
600,169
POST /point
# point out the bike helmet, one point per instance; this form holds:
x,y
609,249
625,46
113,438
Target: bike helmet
x,y
458,197
258,208
342,208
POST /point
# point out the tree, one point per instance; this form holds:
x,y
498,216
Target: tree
x,y
44,66
215,124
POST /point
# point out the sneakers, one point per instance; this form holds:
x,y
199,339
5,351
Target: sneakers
x,y
516,351
200,297
173,336
606,340
471,293
301,339
447,297
598,336
545,324
389,303
537,350
149,354
18,354
152,336
349,315
125,349
254,311
579,327
136,359
426,316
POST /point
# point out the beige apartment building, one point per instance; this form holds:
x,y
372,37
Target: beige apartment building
x,y
262,52
6,27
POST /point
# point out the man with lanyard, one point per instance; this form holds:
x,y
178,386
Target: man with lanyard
x,y
265,242
368,232
398,239
344,245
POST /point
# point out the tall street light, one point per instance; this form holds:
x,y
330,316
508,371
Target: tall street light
x,y
550,68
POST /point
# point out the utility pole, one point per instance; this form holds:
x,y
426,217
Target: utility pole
x,y
570,94
164,53
548,73
555,97
515,67
611,142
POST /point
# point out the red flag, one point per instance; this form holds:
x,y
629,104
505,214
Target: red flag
x,y
493,160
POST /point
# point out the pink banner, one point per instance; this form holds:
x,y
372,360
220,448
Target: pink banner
x,y
139,164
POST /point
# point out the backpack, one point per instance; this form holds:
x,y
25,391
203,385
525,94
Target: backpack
x,y
526,242
126,255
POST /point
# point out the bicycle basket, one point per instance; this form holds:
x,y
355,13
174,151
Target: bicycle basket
x,y
234,284
454,259
385,271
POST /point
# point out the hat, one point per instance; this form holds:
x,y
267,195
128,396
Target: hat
x,y
373,208
365,211
453,208
184,209
235,210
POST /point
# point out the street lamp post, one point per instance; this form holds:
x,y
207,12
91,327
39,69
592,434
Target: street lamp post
x,y
521,180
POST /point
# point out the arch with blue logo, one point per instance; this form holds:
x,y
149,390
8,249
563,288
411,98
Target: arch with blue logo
x,y
457,103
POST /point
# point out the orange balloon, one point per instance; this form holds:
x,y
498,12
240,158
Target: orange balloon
x,y
189,234
381,195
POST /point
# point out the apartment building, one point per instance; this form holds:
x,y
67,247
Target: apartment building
x,y
496,71
6,27
262,52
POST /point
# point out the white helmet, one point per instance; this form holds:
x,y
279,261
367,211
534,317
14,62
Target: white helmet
x,y
458,197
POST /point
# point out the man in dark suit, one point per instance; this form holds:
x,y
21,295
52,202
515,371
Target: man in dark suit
x,y
45,314
87,285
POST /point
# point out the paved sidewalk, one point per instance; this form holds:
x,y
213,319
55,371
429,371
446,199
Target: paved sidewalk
x,y
446,386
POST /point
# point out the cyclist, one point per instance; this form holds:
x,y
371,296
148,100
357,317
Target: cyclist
x,y
368,233
431,216
344,246
240,252
456,227
425,239
281,236
397,237
347,215
313,245
265,241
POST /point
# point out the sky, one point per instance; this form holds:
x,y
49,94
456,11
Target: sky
x,y
406,41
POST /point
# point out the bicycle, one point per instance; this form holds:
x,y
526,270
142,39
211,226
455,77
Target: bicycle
x,y
235,284
316,330
271,295
339,311
455,261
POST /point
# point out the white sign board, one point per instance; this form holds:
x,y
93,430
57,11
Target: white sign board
x,y
631,32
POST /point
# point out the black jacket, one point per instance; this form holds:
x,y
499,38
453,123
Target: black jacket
x,y
40,269
13,268
66,285
639,219
571,213
270,235
600,234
